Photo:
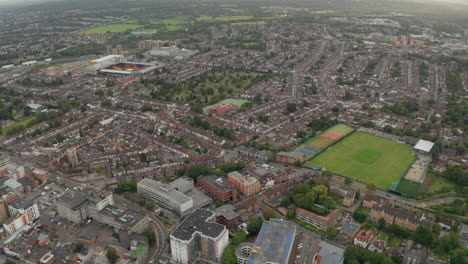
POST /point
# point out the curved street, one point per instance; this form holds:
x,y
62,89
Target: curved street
x,y
161,232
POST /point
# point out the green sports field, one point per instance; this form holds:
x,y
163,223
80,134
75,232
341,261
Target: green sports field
x,y
367,158
340,130
114,28
320,142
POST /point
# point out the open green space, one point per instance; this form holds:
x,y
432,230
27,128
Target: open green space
x,y
23,122
261,22
441,184
395,242
320,142
408,188
340,130
368,156
137,251
395,159
207,18
171,21
328,11
114,28
207,88
238,102
383,236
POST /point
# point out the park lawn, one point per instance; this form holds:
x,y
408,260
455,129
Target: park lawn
x,y
23,122
287,8
168,28
441,183
262,22
172,21
207,18
114,28
356,157
323,12
238,102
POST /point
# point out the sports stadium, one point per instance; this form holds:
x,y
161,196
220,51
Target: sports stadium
x,y
128,68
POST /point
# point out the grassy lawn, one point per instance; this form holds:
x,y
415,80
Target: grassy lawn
x,y
114,28
137,251
367,158
395,242
222,18
383,236
441,183
23,122
172,21
251,23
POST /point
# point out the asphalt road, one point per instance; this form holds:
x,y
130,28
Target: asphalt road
x,y
161,232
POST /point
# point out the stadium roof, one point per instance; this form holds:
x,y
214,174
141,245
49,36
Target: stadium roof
x,y
274,243
105,58
424,145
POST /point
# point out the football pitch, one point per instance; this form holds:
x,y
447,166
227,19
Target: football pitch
x,y
367,158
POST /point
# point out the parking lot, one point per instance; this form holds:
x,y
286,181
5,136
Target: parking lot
x,y
305,247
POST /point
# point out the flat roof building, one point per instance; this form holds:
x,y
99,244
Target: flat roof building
x,y
77,206
246,184
328,254
199,237
319,221
273,245
23,212
178,196
218,187
424,146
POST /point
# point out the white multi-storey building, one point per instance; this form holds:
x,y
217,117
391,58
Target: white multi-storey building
x,y
171,196
22,212
198,237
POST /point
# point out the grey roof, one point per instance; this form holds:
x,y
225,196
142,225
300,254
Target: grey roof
x,y
12,183
198,221
72,199
22,203
274,242
424,145
227,211
330,254
350,227
168,189
291,154
220,183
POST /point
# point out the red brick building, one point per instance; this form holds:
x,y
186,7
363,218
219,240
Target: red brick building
x,y
218,187
410,220
290,158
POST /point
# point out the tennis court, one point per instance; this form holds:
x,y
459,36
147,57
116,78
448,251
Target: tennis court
x,y
330,136
320,142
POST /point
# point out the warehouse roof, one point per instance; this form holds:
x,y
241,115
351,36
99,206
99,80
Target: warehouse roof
x,y
424,145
